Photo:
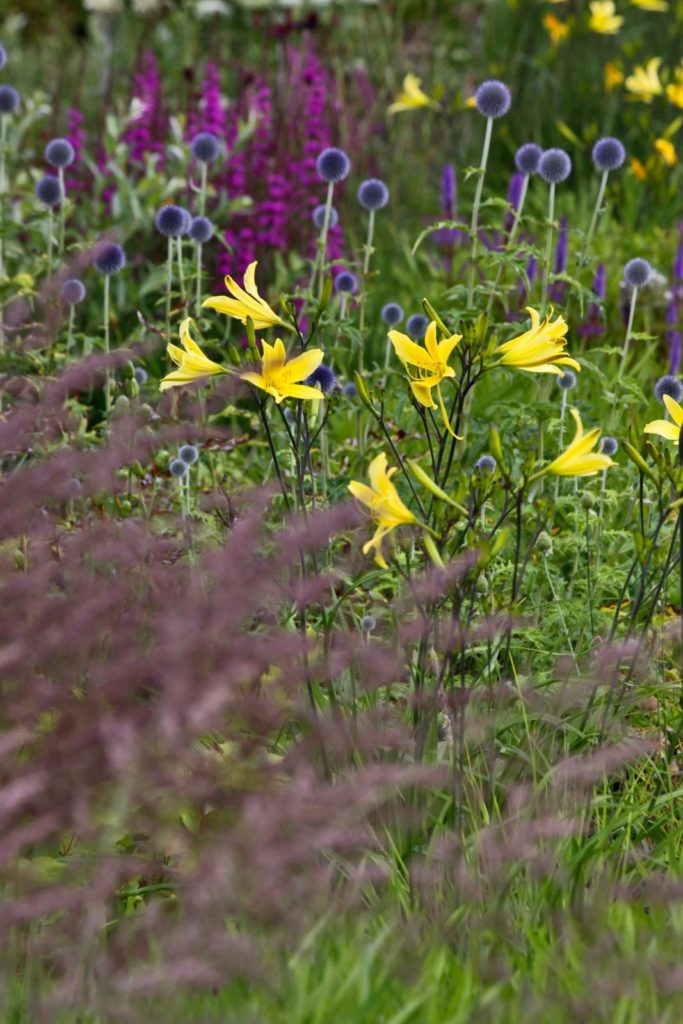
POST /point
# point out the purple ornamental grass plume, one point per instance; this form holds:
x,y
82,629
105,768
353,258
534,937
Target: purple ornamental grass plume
x,y
79,177
149,132
594,324
558,289
672,318
513,197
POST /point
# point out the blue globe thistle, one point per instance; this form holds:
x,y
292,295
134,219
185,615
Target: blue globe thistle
x,y
346,282
49,191
109,258
392,314
3,57
669,385
205,147
373,194
368,623
73,291
177,467
493,98
608,445
172,221
189,454
319,217
60,153
323,376
608,154
201,230
9,99
637,272
567,381
140,376
333,164
416,325
528,157
554,166
350,390
486,464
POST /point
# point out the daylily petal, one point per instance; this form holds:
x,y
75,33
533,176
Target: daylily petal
x,y
674,410
303,391
408,352
304,365
664,428
423,394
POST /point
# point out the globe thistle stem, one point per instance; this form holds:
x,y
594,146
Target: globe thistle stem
x,y
199,280
70,330
62,212
202,188
364,282
181,275
563,411
319,266
50,231
169,285
474,224
548,247
510,239
680,560
4,121
107,378
629,331
594,219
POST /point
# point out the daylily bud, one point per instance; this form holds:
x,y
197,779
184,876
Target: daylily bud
x,y
638,459
433,551
364,395
495,445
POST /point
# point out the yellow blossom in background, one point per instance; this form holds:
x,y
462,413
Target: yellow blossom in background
x,y
246,302
280,378
540,349
191,362
674,90
604,18
665,428
651,5
638,168
578,458
614,76
556,29
471,102
411,97
428,366
643,82
384,504
667,152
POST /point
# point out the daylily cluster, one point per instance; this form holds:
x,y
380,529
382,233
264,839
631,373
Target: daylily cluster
x,y
427,367
540,349
384,504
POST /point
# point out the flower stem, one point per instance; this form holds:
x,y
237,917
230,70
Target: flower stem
x,y
474,224
70,332
594,219
4,120
199,279
202,190
548,247
563,410
627,339
107,379
62,212
50,228
169,284
181,276
364,281
319,266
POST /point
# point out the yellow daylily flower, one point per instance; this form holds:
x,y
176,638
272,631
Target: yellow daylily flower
x,y
191,362
604,18
644,82
674,90
280,378
667,152
579,459
411,97
651,5
556,29
246,302
427,367
638,168
384,504
613,76
665,428
540,349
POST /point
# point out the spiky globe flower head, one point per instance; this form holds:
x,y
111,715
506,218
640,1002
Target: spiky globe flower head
x,y
554,166
201,230
567,381
528,157
140,376
3,57
49,191
319,217
493,98
486,464
333,164
637,272
368,623
172,221
350,390
608,154
416,325
205,147
189,454
608,445
346,282
9,99
669,385
60,153
392,314
324,377
373,194
109,258
177,467
73,291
